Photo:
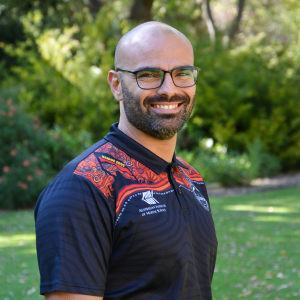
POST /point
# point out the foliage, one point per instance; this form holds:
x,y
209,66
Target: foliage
x,y
62,52
216,165
258,252
250,93
65,81
30,156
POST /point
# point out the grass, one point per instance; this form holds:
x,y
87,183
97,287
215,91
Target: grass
x,y
258,256
19,275
259,246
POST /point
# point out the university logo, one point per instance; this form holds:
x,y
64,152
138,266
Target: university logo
x,y
148,197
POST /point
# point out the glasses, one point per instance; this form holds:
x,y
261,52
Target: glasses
x,y
154,78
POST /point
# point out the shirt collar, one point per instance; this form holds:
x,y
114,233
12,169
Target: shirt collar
x,y
139,152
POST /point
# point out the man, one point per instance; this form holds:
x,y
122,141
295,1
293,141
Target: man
x,y
127,219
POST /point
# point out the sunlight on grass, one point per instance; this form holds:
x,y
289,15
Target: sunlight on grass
x,y
16,240
258,252
259,246
275,218
255,208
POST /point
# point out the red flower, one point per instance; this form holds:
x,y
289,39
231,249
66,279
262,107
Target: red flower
x,y
22,185
6,169
13,152
29,178
3,113
26,163
38,172
11,113
1,180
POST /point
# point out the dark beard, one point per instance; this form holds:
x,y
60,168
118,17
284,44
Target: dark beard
x,y
160,126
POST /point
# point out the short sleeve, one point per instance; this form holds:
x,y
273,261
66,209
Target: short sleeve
x,y
74,235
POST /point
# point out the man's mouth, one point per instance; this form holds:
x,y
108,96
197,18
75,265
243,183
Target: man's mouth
x,y
170,106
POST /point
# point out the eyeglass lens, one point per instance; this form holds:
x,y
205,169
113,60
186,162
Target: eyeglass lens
x,y
183,77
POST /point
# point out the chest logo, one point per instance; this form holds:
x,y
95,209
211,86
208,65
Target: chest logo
x,y
148,197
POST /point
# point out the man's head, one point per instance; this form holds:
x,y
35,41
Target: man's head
x,y
159,112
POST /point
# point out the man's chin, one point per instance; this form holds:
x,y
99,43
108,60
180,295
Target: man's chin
x,y
161,135
163,131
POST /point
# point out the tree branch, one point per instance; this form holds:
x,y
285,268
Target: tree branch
x,y
210,22
236,22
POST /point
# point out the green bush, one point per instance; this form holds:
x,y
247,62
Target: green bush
x,y
216,165
249,93
30,156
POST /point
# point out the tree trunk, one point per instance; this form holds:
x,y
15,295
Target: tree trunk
x,y
141,11
94,6
210,22
235,24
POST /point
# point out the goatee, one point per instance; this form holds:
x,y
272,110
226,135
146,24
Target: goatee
x,y
160,126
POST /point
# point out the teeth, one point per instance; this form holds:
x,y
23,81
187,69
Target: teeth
x,y
165,106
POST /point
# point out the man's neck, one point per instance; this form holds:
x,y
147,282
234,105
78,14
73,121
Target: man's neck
x,y
162,148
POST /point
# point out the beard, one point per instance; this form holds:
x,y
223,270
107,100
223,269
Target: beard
x,y
160,126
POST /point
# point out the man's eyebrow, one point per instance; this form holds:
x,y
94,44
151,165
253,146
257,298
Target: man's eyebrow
x,y
156,68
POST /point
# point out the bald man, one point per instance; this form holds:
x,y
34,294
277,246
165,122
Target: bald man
x,y
127,219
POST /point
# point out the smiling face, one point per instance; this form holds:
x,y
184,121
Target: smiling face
x,y
163,111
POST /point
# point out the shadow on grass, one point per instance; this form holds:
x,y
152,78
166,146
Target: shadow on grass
x,y
259,238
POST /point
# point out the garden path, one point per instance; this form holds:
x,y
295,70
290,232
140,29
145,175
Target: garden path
x,y
257,185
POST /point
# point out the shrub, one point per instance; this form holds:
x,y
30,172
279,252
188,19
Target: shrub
x,y
246,94
215,164
30,156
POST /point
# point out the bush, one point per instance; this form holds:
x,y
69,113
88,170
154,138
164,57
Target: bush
x,y
230,169
247,93
30,156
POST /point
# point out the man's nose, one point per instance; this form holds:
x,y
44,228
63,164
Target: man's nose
x,y
168,87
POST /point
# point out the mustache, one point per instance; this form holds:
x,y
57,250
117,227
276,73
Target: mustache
x,y
159,99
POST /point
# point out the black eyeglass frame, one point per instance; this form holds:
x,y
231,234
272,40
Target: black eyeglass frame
x,y
163,79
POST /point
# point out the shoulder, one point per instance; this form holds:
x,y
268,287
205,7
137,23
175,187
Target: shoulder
x,y
190,171
73,185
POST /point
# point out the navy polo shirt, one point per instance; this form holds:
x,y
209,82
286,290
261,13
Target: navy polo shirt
x,y
122,223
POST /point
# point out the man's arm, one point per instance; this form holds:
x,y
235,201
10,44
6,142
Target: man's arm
x,y
74,229
69,296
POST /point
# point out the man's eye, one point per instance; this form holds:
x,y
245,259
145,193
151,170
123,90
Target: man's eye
x,y
148,75
183,73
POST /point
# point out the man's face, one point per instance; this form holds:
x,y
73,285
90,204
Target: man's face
x,y
160,112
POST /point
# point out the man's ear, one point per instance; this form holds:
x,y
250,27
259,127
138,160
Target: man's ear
x,y
114,81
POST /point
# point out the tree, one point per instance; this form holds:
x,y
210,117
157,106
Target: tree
x,y
141,11
233,29
94,6
210,22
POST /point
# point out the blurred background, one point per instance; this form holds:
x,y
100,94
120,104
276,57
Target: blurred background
x,y
55,100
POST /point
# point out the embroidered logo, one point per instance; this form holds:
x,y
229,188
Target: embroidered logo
x,y
200,198
196,192
148,197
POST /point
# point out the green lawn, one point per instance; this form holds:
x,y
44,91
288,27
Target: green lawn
x,y
259,246
258,257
